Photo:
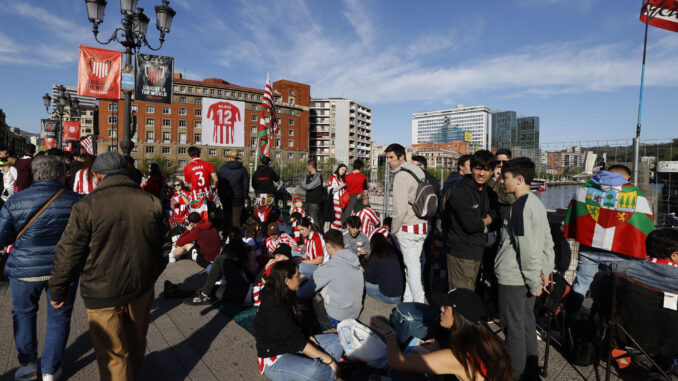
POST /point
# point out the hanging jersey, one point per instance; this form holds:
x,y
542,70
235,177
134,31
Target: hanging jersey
x,y
199,174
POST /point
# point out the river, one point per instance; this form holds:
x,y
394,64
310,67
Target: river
x,y
558,197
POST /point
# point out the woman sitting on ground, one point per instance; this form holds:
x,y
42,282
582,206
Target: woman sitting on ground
x,y
314,247
284,349
474,352
384,276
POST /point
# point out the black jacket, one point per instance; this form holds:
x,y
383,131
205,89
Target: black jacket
x,y
263,178
277,330
234,181
434,182
315,195
467,207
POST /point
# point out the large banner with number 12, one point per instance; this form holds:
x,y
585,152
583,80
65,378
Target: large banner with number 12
x,y
223,122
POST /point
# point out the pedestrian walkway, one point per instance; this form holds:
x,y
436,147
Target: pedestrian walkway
x,y
190,342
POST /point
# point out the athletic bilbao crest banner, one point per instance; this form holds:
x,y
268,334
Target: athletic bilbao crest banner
x,y
153,78
48,128
223,122
99,73
662,14
614,218
71,130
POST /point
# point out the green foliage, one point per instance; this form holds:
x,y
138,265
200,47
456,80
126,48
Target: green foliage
x,y
162,162
216,162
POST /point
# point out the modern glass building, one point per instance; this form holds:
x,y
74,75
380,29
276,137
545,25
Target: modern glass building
x,y
528,132
443,126
504,128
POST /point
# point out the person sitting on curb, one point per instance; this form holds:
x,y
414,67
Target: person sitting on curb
x,y
384,271
201,239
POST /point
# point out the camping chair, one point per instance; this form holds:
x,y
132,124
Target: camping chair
x,y
638,319
551,305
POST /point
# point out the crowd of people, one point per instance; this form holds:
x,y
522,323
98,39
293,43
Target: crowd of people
x,y
99,224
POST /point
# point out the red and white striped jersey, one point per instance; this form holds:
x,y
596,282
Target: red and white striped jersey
x,y
368,220
662,261
81,184
335,183
415,229
266,361
389,236
199,174
315,247
271,244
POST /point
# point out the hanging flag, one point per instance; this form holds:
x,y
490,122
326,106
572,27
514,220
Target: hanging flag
x,y
50,142
153,79
222,122
662,14
87,145
614,218
71,130
99,72
48,128
264,133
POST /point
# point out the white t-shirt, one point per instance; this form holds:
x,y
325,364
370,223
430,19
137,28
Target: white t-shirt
x,y
8,179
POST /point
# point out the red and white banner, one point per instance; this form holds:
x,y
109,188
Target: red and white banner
x,y
223,123
71,130
50,142
663,13
87,145
99,72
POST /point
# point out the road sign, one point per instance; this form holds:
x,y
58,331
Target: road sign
x,y
667,166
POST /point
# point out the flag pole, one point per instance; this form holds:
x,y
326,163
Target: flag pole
x,y
636,140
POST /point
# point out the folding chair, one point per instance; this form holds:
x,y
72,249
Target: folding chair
x,y
551,305
639,320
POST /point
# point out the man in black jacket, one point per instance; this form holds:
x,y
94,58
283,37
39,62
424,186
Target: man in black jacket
x,y
233,188
313,185
263,177
472,216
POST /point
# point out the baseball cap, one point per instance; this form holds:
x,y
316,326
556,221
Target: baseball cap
x,y
273,228
466,302
283,249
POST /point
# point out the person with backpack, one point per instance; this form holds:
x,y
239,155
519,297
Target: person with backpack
x,y
407,226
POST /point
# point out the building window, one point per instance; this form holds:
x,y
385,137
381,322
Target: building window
x,y
150,122
182,164
239,95
211,91
190,89
241,153
112,120
291,122
168,163
182,111
290,143
226,93
135,150
134,108
181,150
277,143
183,123
183,88
258,97
290,132
197,138
277,155
166,110
182,99
112,133
182,138
198,124
220,92
166,136
212,152
176,88
198,101
112,148
254,117
278,121
290,156
150,109
150,136
167,123
150,149
253,142
166,150
198,112
112,107
302,156
253,129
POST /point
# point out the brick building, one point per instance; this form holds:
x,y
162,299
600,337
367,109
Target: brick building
x,y
169,129
442,155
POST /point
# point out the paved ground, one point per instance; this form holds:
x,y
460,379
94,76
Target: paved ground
x,y
190,343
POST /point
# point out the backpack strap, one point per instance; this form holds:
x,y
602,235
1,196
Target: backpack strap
x,y
413,175
35,217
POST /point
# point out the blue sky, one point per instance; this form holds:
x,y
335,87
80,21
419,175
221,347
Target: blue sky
x,y
575,64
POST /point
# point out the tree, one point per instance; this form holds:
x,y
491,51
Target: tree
x,y
167,167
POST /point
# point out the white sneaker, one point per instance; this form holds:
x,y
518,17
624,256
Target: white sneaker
x,y
53,377
27,372
172,258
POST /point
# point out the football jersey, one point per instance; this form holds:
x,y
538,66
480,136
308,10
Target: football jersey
x,y
199,174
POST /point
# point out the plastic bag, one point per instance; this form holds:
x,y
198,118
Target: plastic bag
x,y
360,343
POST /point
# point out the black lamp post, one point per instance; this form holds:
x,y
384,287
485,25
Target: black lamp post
x,y
132,37
63,105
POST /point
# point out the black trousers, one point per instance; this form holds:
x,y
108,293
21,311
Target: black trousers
x,y
236,287
516,306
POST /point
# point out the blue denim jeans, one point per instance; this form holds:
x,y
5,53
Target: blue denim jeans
x,y
415,320
296,366
307,270
25,303
589,265
373,290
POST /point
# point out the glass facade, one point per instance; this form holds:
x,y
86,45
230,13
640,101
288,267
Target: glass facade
x,y
528,132
504,128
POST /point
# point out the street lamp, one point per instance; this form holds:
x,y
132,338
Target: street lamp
x,y
132,37
63,105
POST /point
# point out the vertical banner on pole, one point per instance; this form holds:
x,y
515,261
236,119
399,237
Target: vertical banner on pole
x,y
71,130
223,123
154,76
99,72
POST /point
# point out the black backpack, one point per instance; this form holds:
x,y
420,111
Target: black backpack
x,y
425,203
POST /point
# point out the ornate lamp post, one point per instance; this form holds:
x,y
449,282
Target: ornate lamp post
x,y
63,105
132,37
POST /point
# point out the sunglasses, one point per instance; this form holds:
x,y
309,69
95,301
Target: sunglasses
x,y
502,161
177,185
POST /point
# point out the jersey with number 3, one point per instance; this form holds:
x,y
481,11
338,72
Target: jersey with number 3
x,y
199,174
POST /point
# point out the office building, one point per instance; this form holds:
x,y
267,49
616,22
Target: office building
x,y
472,123
504,129
340,129
527,135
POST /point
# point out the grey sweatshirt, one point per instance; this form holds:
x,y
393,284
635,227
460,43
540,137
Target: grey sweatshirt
x,y
526,249
404,192
352,243
342,283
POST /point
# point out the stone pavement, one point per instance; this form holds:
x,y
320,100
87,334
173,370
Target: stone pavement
x,y
189,342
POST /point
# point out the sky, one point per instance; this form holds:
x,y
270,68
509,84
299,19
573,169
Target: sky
x,y
575,64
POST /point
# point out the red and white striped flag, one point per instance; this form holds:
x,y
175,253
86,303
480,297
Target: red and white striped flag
x,y
662,14
265,134
268,103
87,145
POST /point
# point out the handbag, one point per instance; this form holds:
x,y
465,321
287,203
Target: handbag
x,y
344,199
8,249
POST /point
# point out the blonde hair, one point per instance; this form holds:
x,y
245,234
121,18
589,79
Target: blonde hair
x,y
10,163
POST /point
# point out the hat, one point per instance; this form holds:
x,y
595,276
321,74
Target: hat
x,y
283,249
109,162
465,302
232,154
273,228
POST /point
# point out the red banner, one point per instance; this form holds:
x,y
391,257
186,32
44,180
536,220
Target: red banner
x,y
663,13
50,142
99,72
71,130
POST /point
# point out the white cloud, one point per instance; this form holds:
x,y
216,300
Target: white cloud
x,y
7,45
64,29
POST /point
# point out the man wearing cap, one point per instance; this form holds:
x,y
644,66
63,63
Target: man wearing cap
x,y
276,238
233,188
114,239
